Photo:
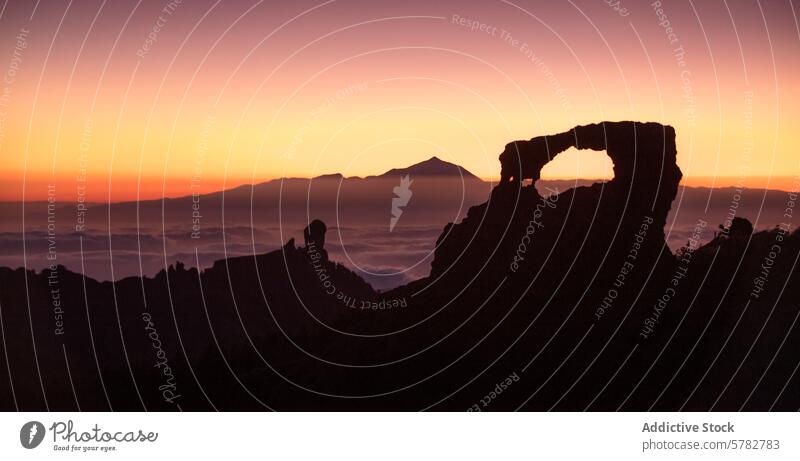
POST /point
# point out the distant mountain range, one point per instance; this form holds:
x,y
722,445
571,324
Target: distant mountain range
x,y
150,234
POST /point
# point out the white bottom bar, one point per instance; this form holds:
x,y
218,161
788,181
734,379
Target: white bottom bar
x,y
403,436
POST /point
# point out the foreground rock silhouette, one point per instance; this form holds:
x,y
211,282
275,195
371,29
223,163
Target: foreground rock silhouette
x,y
567,301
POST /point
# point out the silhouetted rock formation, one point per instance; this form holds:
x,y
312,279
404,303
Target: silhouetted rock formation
x,y
640,151
571,299
645,183
314,233
739,227
314,236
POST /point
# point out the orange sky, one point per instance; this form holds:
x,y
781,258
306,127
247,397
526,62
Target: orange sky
x,y
242,92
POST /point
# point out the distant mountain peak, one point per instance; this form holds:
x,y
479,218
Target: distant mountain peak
x,y
330,176
434,166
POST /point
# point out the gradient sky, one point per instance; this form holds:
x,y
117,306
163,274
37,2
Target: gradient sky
x,y
243,91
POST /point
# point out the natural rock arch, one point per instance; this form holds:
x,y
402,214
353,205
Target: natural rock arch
x,y
639,151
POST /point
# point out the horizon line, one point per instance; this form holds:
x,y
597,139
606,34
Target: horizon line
x,y
788,184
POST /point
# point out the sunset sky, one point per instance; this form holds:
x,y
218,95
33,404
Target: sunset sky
x,y
123,100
